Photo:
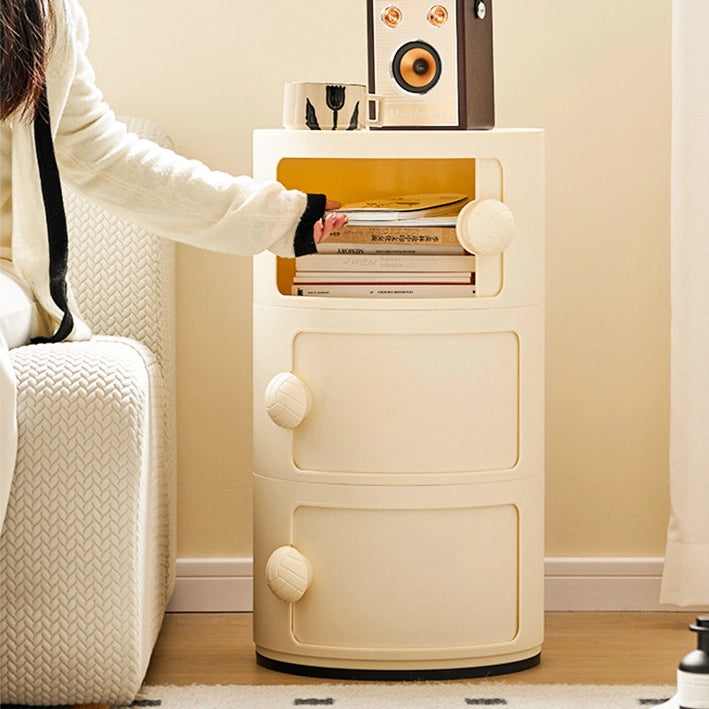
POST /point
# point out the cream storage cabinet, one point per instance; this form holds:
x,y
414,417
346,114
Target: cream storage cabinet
x,y
399,442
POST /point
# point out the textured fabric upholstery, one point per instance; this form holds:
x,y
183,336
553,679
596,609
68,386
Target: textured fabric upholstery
x,y
87,552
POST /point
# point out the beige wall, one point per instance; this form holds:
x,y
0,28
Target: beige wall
x,y
596,77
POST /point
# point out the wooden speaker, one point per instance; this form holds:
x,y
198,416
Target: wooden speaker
x,y
432,64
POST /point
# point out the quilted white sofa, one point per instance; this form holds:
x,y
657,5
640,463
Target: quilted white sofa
x,y
87,553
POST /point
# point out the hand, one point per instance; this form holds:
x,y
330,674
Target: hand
x,y
332,222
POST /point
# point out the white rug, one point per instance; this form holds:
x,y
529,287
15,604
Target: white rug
x,y
412,695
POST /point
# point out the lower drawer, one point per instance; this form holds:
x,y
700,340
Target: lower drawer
x,y
401,574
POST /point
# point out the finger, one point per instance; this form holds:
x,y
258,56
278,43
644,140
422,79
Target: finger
x,y
331,204
329,225
318,229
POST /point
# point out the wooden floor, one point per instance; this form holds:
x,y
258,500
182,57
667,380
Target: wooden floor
x,y
579,648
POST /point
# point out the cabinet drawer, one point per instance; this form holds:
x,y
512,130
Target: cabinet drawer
x,y
408,579
414,403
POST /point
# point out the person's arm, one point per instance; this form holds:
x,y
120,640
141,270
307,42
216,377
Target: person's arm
x,y
168,194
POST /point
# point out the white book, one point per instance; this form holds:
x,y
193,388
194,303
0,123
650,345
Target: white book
x,y
384,291
335,277
331,247
439,219
385,262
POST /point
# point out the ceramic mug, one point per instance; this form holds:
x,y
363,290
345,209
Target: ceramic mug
x,y
310,105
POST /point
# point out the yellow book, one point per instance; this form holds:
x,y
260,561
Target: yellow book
x,y
401,234
413,206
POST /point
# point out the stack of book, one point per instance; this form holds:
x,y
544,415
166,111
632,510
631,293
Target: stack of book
x,y
399,247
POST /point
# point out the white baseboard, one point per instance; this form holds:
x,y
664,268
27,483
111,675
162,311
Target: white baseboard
x,y
213,585
571,584
603,584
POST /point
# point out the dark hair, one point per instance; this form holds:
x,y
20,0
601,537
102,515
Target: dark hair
x,y
24,32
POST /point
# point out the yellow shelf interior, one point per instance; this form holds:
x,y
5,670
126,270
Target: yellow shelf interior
x,y
357,179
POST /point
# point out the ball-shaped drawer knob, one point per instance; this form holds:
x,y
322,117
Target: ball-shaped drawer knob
x,y
288,574
287,400
485,227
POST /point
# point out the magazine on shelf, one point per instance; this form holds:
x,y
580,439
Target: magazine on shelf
x,y
405,249
354,290
393,235
336,277
404,207
385,262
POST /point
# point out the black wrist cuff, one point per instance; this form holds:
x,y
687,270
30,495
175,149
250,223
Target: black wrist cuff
x,y
303,243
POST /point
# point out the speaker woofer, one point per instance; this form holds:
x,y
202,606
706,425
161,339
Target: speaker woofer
x,y
416,67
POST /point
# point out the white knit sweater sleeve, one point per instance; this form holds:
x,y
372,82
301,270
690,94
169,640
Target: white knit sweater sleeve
x,y
167,194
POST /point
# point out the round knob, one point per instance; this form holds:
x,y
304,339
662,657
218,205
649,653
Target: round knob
x,y
485,227
288,574
287,400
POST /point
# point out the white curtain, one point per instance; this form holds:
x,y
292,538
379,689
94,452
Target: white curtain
x,y
686,573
